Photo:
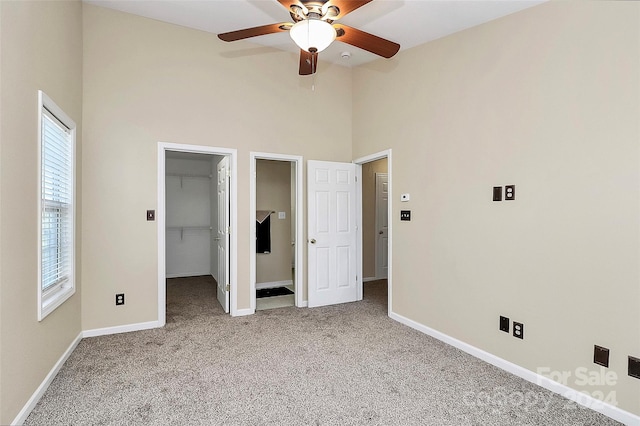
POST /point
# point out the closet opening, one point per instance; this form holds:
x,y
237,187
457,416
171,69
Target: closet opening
x,y
196,250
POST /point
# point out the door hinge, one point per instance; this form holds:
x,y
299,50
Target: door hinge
x,y
229,230
228,173
228,287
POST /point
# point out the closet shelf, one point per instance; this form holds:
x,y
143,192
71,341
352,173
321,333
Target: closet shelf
x,y
188,175
190,228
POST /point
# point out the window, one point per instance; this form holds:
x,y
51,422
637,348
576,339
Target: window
x,y
56,207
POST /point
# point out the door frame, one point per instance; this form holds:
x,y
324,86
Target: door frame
x,y
297,238
359,162
163,147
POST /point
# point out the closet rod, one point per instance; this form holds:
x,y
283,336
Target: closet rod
x,y
190,175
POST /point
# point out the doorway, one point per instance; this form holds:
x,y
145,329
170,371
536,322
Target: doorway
x,y
189,239
275,198
375,203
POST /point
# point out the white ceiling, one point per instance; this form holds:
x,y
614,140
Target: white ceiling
x,y
407,22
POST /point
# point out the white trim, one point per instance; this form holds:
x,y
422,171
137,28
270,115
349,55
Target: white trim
x,y
528,375
298,238
33,401
244,312
273,284
163,147
50,302
368,279
121,329
360,161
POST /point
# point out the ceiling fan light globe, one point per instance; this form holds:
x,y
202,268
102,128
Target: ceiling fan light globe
x,y
313,34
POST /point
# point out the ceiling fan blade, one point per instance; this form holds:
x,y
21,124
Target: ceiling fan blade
x,y
255,31
366,41
347,6
287,4
308,62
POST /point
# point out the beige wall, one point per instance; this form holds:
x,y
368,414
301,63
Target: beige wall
x,y
41,44
369,232
548,100
147,81
273,192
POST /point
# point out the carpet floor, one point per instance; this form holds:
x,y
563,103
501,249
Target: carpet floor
x,y
347,364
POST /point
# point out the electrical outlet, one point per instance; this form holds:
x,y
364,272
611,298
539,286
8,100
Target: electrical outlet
x,y
151,215
510,192
504,324
405,215
518,330
119,299
601,355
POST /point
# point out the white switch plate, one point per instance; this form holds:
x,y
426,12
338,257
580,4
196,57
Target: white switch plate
x,y
405,197
282,215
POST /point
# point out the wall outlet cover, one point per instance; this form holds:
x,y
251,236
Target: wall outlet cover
x,y
634,367
601,355
504,324
497,193
119,299
518,330
151,215
510,192
405,215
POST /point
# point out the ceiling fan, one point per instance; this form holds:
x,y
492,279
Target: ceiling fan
x,y
314,29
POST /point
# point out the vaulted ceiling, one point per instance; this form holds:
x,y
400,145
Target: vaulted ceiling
x,y
407,22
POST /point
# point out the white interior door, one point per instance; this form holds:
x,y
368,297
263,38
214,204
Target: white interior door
x,y
222,236
382,225
331,192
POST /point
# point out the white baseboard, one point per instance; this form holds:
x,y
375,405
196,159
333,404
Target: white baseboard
x,y
303,304
273,284
31,403
121,329
578,397
243,312
366,280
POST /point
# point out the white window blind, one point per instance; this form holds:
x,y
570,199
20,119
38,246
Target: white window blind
x,y
56,281
57,200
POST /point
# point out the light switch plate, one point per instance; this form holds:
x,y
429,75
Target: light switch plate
x,y
601,355
497,193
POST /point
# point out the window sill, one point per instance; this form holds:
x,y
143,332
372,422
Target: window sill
x,y
55,299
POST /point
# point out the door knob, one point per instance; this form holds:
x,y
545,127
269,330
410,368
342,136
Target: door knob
x,y
380,232
312,241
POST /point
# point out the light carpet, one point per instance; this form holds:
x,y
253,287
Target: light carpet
x,y
347,364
